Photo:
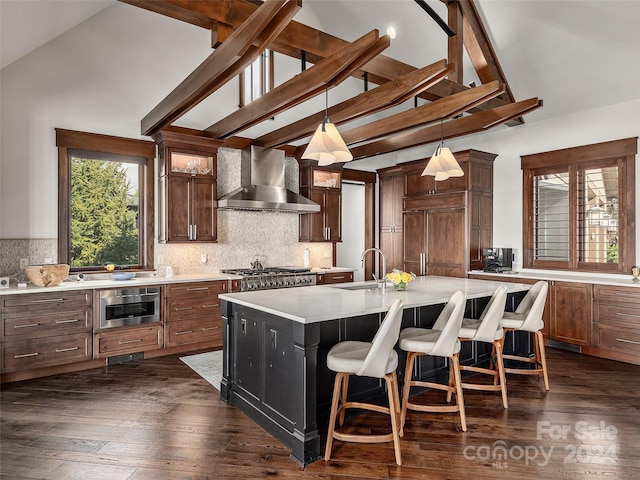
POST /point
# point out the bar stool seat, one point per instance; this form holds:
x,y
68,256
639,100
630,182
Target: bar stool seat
x,y
376,359
439,341
488,329
528,318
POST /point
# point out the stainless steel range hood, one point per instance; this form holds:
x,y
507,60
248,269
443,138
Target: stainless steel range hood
x,y
262,173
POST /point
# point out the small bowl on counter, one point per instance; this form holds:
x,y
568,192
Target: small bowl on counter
x,y
123,275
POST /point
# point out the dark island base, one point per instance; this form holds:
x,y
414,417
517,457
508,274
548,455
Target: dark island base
x,y
275,369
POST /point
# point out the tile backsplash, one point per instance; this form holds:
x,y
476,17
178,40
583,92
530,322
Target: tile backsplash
x,y
241,236
37,251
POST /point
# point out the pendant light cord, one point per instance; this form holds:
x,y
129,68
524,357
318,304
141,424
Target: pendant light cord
x,y
326,108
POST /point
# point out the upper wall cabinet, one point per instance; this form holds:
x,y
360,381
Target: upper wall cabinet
x,y
187,188
322,185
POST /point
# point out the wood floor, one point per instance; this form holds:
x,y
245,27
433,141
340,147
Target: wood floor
x,y
157,419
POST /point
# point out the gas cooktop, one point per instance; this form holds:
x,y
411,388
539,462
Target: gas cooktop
x,y
272,277
265,271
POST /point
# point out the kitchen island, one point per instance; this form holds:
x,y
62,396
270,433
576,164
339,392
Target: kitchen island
x,y
276,343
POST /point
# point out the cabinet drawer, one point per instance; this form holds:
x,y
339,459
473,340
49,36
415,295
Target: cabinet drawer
x,y
618,340
188,290
46,352
338,277
47,301
18,326
192,309
606,293
623,316
128,341
181,333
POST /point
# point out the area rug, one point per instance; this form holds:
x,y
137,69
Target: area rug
x,y
208,365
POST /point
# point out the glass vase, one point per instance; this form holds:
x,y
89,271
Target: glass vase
x,y
400,286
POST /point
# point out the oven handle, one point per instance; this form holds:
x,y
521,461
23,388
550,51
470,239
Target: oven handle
x,y
139,295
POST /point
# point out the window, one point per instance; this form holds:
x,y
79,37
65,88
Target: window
x,y
579,208
105,201
257,78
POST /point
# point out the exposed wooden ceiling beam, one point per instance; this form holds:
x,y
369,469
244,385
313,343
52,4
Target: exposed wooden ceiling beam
x,y
224,63
478,46
366,103
296,38
427,113
324,74
455,46
453,128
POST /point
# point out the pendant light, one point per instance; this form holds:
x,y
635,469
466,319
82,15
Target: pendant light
x,y
326,145
443,164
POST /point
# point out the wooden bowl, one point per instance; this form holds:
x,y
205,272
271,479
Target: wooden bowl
x,y
47,275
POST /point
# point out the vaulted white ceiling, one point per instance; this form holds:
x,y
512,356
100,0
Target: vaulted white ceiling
x,y
575,55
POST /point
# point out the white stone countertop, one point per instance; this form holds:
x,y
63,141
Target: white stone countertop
x,y
600,279
138,281
320,303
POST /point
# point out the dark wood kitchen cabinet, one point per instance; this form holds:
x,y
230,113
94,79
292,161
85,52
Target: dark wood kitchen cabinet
x,y
392,190
616,322
127,340
571,318
446,224
45,329
435,238
329,278
187,188
322,185
192,313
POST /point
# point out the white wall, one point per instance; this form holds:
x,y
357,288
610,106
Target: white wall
x,y
349,251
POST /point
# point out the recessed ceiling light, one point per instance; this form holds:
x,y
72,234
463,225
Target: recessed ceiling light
x,y
391,32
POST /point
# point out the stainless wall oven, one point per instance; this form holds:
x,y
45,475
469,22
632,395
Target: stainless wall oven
x,y
129,306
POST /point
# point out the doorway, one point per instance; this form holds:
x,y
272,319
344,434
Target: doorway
x,y
349,251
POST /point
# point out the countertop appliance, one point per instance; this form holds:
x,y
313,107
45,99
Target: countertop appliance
x,y
129,306
273,277
498,259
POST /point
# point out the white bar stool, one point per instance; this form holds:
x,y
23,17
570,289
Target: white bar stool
x,y
439,341
377,359
528,318
488,329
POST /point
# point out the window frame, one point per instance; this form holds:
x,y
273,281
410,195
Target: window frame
x,y
72,140
620,153
266,64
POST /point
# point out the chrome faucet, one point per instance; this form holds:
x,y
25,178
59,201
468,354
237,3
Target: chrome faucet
x,y
383,273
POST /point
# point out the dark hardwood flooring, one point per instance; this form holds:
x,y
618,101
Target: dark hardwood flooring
x,y
157,419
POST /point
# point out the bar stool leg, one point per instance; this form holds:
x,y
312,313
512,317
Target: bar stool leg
x,y
397,401
343,399
498,346
334,411
543,358
408,375
452,382
455,360
392,389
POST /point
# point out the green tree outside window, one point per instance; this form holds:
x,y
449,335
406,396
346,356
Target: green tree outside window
x,y
104,213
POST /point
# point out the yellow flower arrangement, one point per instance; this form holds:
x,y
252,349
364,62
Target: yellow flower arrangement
x,y
400,278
